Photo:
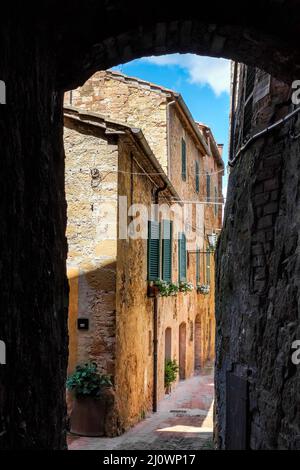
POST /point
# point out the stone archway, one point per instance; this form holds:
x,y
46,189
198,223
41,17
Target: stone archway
x,y
62,45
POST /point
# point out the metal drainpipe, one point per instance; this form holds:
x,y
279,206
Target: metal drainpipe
x,y
155,316
261,134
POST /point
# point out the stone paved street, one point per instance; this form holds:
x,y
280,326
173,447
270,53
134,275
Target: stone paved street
x,y
184,422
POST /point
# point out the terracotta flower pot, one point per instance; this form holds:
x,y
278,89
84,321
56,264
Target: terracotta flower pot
x,y
88,417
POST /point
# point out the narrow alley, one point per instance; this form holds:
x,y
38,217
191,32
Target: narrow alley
x,y
184,421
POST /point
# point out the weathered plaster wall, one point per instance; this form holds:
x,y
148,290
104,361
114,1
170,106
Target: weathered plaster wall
x,y
258,289
134,328
92,246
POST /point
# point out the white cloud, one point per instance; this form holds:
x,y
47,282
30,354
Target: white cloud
x,y
201,70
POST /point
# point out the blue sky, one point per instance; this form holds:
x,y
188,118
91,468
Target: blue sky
x,y
204,83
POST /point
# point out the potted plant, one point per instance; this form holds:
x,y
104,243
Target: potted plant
x,y
171,371
90,404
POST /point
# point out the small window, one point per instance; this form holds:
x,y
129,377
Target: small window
x,y
197,177
182,258
208,268
197,265
216,202
183,160
208,186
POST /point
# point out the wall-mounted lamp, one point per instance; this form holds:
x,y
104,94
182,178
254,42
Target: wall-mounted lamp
x,y
212,240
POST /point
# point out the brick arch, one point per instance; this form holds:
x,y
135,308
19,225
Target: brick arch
x,y
98,40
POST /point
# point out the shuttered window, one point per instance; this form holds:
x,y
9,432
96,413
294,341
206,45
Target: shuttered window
x,y
197,265
183,160
153,250
216,201
197,175
207,186
182,257
208,268
167,250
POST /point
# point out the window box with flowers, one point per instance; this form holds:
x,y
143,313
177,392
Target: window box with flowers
x,y
186,287
203,289
162,288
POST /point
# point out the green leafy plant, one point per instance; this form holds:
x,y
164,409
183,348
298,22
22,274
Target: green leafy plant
x,y
186,287
171,371
86,381
166,288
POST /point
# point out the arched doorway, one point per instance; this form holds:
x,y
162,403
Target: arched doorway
x,y
168,344
182,351
197,345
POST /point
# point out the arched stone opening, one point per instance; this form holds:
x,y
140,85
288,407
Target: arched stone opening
x,y
168,344
62,45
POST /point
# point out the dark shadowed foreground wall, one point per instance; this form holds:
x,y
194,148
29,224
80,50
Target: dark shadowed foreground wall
x,y
258,282
55,47
34,291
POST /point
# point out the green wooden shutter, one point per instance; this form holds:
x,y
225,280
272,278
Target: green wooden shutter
x,y
197,182
183,159
153,250
167,250
197,265
182,257
208,268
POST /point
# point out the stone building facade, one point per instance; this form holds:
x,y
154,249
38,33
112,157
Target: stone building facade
x,y
109,274
257,305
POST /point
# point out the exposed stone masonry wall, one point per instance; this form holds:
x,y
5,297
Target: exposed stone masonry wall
x,y
258,286
127,103
92,246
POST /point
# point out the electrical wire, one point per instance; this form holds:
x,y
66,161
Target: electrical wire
x,y
153,174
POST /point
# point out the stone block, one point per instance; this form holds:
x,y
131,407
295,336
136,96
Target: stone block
x,y
257,249
265,222
274,195
260,199
258,261
271,184
271,208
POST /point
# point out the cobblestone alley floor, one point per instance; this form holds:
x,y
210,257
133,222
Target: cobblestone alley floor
x,y
184,421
